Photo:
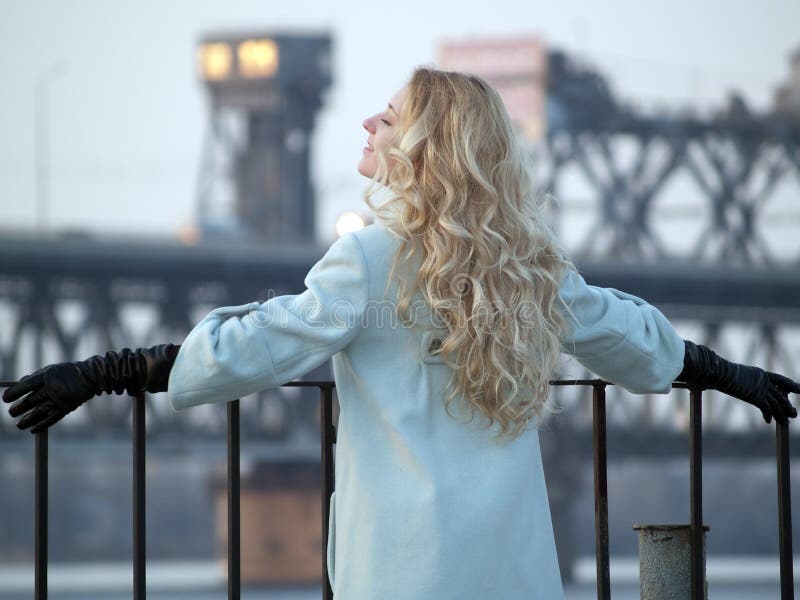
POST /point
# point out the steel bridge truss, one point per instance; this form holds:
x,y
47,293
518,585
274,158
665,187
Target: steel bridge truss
x,y
730,177
67,320
737,180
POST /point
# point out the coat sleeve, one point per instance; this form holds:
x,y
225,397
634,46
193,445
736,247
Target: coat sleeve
x,y
238,350
620,337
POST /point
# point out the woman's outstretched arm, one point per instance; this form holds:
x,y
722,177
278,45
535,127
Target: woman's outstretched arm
x,y
233,351
629,342
44,397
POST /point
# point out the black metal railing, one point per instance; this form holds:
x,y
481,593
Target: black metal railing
x,y
328,439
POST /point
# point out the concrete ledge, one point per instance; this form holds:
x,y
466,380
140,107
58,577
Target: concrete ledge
x,y
108,577
209,575
731,569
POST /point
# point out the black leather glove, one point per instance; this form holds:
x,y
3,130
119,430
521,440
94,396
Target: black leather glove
x,y
767,391
47,395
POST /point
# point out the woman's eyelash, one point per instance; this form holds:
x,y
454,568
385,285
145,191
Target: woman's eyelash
x,y
385,122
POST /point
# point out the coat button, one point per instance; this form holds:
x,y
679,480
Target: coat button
x,y
435,345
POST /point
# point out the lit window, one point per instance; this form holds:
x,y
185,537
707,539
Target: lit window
x,y
215,61
258,58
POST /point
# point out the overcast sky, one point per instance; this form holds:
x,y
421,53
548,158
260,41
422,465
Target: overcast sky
x,y
128,113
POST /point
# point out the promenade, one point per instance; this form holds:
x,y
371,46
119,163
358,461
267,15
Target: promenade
x,y
745,578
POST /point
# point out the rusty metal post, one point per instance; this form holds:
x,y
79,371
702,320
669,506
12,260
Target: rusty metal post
x,y
785,512
698,551
139,499
601,490
328,434
665,562
234,503
40,522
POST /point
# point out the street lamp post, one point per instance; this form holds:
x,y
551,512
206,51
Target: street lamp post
x,y
42,140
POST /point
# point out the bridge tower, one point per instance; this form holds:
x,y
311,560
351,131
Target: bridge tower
x,y
264,92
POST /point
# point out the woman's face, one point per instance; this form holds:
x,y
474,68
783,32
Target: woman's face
x,y
381,128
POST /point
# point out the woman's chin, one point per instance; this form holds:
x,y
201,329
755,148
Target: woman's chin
x,y
365,170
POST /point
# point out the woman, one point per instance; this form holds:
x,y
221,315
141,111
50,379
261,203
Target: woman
x,y
444,321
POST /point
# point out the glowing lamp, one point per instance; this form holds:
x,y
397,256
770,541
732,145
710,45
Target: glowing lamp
x,y
257,58
215,61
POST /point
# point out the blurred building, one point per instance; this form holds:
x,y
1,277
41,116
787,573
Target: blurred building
x,y
516,67
787,96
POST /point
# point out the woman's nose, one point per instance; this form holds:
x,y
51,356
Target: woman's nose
x,y
369,124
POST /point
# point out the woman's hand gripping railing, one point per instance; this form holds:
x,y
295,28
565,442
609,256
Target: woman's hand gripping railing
x,y
45,396
769,392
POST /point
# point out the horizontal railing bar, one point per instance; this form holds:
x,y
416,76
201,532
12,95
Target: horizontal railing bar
x,y
321,383
583,382
586,382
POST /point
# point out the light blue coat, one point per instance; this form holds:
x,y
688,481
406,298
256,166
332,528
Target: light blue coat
x,y
426,507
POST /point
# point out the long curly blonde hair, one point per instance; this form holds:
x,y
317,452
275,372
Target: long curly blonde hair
x,y
462,200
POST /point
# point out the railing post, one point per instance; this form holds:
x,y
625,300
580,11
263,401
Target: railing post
x,y
139,500
40,526
696,493
665,561
328,438
40,518
600,490
234,496
784,512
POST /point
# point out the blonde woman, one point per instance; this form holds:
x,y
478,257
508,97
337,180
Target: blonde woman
x,y
444,321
